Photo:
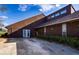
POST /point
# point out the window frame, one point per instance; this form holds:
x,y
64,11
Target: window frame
x,y
63,11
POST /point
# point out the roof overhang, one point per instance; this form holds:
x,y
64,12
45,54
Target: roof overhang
x,y
59,22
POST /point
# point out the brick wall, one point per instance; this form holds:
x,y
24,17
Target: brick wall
x,y
73,28
54,30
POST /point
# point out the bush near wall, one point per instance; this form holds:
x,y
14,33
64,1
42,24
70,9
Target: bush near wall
x,y
2,33
71,41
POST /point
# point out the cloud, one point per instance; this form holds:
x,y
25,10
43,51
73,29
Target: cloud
x,y
6,24
22,7
57,5
44,7
3,17
47,7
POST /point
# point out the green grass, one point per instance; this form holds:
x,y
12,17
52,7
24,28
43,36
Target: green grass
x,y
2,32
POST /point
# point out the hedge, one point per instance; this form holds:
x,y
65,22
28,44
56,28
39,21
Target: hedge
x,y
71,41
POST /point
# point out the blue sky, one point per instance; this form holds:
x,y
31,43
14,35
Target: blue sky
x,y
18,12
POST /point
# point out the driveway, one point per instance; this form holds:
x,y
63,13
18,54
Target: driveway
x,y
33,46
8,49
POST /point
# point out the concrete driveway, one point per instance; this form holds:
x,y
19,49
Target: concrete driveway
x,y
35,46
8,49
39,47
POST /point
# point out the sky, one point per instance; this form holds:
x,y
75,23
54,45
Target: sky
x,y
18,12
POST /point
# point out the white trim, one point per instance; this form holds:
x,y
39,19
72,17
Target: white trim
x,y
44,30
64,29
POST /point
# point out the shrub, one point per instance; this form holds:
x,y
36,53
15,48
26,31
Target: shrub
x,y
71,41
2,33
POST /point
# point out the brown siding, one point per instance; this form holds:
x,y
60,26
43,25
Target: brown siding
x,y
40,31
50,30
16,26
54,30
16,34
15,30
73,28
31,26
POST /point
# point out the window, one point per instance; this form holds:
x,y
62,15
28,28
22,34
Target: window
x,y
57,14
52,16
49,17
63,12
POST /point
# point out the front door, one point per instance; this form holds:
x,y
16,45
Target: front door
x,y
26,33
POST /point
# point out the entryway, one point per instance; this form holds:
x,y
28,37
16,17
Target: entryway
x,y
26,33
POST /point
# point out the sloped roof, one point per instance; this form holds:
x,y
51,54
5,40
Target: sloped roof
x,y
73,16
25,22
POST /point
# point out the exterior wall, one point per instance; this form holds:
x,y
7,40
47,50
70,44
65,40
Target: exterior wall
x,y
33,25
50,30
16,26
54,30
16,34
73,28
39,32
19,32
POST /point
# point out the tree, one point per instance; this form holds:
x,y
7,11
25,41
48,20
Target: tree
x,y
3,9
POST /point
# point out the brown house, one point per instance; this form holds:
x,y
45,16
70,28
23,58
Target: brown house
x,y
62,22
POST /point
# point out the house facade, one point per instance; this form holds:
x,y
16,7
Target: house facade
x,y
63,22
